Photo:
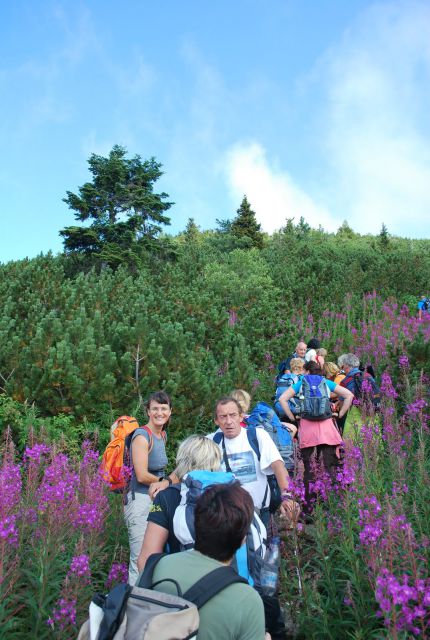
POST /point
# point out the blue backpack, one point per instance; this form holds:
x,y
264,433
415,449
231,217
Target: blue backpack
x,y
264,416
283,383
315,398
247,560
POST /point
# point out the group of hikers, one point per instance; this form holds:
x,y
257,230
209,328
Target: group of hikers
x,y
216,509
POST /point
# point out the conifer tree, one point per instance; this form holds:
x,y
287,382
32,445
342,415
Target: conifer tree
x,y
245,224
384,237
124,212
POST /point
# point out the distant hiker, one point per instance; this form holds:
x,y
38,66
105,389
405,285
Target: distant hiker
x,y
222,518
251,468
284,366
283,383
244,399
313,343
354,381
319,436
332,372
148,460
317,355
423,307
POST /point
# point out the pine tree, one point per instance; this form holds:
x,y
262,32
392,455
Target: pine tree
x,y
245,225
120,202
384,237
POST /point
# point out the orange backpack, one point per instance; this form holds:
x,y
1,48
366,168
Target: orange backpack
x,y
116,463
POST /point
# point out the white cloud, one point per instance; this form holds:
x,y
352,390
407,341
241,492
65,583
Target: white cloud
x,y
272,193
377,124
371,159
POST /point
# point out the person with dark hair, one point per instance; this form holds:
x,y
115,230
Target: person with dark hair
x,y
318,435
149,459
222,518
313,343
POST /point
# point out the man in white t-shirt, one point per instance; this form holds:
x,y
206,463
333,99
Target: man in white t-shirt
x,y
242,460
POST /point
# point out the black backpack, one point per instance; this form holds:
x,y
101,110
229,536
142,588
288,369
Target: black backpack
x,y
374,395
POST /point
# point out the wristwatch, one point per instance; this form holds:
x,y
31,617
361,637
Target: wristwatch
x,y
168,478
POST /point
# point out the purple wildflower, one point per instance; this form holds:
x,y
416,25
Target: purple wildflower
x,y
8,530
232,317
80,566
118,574
387,388
64,613
36,452
404,362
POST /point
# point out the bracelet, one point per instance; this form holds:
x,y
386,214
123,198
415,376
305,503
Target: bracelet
x,y
286,496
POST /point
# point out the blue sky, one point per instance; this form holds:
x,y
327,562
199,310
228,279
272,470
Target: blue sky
x,y
318,108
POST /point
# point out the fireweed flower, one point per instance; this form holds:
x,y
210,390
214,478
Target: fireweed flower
x,y
404,362
399,489
88,518
297,489
64,613
371,521
9,530
90,456
11,485
415,408
58,486
366,387
322,486
345,477
118,574
387,388
36,452
404,602
80,566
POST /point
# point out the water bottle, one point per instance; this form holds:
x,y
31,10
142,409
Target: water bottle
x,y
270,569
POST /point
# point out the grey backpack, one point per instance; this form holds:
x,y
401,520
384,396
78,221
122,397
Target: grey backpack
x,y
140,613
314,398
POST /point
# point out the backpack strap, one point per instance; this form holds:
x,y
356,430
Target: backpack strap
x,y
113,611
145,580
211,584
251,433
151,437
219,439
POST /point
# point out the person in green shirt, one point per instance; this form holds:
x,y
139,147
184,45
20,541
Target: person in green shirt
x,y
222,518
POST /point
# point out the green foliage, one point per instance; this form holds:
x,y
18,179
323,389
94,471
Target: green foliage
x,y
245,225
120,203
206,318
